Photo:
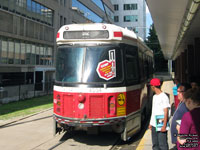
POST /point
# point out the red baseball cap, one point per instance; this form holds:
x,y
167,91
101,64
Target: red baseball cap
x,y
155,82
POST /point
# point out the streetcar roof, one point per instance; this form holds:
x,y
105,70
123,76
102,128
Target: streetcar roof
x,y
115,32
97,32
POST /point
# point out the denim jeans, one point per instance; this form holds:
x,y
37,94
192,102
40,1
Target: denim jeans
x,y
159,140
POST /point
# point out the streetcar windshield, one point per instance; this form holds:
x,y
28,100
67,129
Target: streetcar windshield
x,y
89,64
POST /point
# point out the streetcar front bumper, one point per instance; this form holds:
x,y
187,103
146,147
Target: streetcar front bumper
x,y
88,122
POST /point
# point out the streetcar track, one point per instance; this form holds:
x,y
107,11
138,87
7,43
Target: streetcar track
x,y
64,138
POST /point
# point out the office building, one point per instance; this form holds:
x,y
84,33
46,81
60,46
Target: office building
x,y
28,31
131,14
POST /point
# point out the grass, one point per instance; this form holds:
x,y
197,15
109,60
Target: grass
x,y
25,107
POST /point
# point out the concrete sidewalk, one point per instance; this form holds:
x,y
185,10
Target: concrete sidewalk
x,y
146,142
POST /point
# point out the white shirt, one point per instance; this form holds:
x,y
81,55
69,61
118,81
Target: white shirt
x,y
160,102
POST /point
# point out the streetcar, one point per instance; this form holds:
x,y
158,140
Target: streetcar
x,y
102,71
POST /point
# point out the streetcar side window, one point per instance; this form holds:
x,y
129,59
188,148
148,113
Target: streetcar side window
x,y
141,64
132,69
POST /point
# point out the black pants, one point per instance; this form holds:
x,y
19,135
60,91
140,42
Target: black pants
x,y
159,140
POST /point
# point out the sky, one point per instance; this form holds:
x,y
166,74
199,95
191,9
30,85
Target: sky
x,y
148,21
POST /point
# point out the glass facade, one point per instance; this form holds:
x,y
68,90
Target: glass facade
x,y
29,9
14,51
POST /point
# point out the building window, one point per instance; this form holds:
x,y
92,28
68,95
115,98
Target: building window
x,y
61,2
131,18
10,52
23,53
41,55
49,56
130,6
45,56
65,22
135,30
116,18
4,52
65,3
116,7
132,64
17,52
61,21
33,55
130,28
28,53
37,55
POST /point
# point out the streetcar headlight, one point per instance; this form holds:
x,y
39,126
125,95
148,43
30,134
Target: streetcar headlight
x,y
81,105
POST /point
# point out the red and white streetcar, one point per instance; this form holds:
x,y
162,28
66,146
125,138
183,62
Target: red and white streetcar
x,y
101,79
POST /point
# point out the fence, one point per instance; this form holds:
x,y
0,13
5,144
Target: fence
x,y
24,91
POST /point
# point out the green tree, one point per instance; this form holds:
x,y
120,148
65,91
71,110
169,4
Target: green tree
x,y
160,64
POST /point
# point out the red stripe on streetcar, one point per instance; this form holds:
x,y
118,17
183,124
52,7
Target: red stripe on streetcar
x,y
58,35
118,34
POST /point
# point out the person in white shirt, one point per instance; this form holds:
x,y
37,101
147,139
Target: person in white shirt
x,y
160,108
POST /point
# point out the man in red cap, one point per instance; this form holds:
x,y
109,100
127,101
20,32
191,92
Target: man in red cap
x,y
159,116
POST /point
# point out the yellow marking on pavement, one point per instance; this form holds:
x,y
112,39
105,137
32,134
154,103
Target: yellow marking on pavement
x,y
142,142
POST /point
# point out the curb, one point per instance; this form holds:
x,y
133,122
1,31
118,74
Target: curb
x,y
143,141
22,118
